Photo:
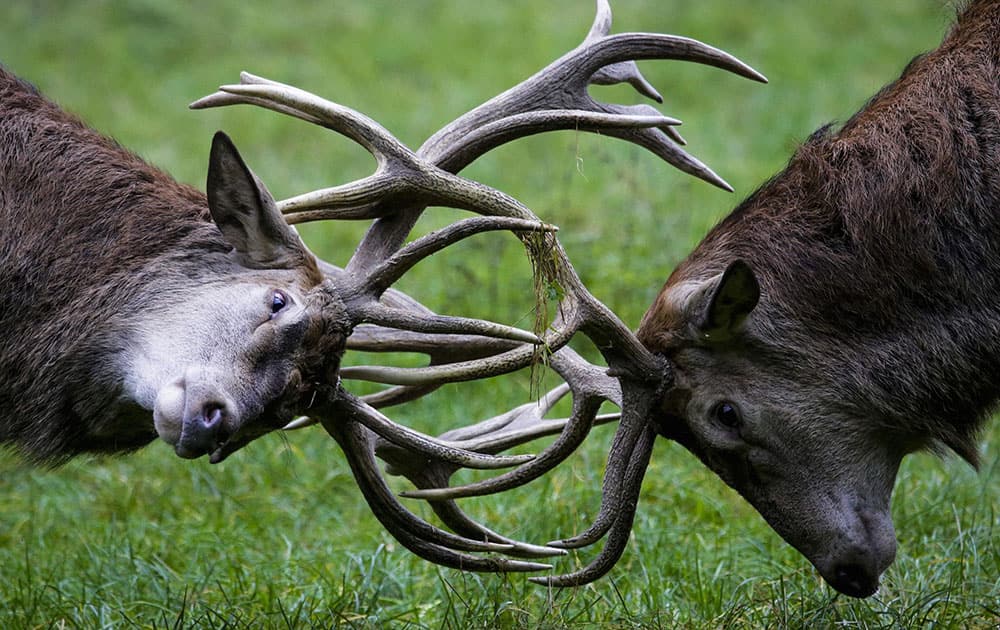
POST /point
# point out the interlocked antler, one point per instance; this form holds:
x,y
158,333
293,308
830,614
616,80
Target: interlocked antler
x,y
461,349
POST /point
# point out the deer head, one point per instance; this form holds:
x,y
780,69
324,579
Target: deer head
x,y
242,351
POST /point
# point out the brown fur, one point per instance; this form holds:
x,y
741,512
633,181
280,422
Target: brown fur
x,y
878,249
95,245
56,328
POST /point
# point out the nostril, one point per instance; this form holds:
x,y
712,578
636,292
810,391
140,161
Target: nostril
x,y
212,415
855,580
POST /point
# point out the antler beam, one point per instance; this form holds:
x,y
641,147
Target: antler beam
x,y
403,185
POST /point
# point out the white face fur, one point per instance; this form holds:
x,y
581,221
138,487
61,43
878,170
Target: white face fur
x,y
206,339
212,356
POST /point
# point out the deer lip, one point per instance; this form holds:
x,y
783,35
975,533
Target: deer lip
x,y
189,453
227,448
182,451
854,582
218,455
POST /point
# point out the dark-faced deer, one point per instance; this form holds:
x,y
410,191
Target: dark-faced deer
x,y
845,314
840,318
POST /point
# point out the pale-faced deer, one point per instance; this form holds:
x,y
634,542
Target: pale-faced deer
x,y
136,307
127,313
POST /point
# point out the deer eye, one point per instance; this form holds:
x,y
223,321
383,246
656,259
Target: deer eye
x,y
278,301
727,414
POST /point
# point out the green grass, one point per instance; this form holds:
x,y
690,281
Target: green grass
x,y
278,536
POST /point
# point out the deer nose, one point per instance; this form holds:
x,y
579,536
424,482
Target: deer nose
x,y
855,579
202,432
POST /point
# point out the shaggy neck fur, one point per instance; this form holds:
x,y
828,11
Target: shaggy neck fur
x,y
83,222
878,247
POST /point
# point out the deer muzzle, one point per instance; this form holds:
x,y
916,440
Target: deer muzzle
x,y
194,417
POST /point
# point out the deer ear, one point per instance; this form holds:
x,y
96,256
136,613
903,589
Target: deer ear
x,y
728,301
246,214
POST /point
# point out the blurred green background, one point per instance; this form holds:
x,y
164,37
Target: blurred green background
x,y
279,536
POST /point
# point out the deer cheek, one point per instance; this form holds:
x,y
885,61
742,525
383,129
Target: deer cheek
x,y
168,412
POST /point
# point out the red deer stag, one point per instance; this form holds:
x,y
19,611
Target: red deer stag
x,y
135,306
127,313
843,316
840,318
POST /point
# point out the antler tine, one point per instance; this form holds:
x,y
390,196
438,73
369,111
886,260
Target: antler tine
x,y
403,179
621,527
631,429
456,520
350,201
603,18
405,320
590,387
427,446
570,438
482,436
397,395
436,474
622,72
386,398
399,174
529,414
492,134
296,102
506,362
415,534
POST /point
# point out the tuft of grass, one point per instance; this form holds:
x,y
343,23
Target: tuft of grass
x,y
279,536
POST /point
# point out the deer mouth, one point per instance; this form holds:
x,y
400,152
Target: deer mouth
x,y
855,580
236,441
225,450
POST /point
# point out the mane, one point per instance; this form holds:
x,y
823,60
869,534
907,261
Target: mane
x,y
877,247
898,205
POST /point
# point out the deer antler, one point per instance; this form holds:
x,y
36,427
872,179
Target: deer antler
x,y
395,195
